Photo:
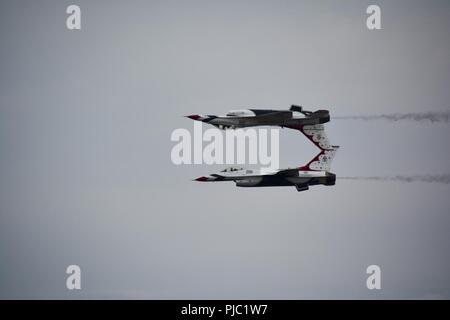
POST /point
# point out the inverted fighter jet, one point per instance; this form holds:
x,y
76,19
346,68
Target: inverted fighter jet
x,y
316,172
295,116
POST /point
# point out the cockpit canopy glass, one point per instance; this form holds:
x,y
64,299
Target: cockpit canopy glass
x,y
240,113
232,169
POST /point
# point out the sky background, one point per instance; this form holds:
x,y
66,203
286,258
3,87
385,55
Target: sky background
x,y
85,170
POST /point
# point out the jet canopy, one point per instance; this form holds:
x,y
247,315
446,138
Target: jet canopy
x,y
240,113
232,169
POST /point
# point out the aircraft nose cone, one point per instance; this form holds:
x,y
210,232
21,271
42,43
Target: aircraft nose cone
x,y
194,117
202,179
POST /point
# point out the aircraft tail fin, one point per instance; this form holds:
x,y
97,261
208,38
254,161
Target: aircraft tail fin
x,y
322,161
315,133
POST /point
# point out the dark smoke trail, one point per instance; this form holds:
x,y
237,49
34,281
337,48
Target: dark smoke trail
x,y
441,178
438,116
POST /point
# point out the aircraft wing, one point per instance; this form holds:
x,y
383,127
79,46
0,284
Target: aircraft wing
x,y
287,172
269,117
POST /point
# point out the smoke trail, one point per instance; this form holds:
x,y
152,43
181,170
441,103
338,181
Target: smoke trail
x,y
441,178
432,116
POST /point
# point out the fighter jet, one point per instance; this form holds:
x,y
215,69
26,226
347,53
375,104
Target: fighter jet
x,y
315,172
295,116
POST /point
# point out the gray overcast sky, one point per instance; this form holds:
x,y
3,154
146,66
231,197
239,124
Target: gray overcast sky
x,y
86,176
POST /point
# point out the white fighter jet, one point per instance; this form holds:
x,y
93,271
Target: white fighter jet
x,y
315,172
295,116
